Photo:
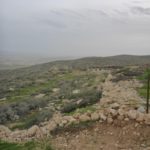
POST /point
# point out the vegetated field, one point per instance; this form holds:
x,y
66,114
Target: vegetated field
x,y
33,145
30,96
29,99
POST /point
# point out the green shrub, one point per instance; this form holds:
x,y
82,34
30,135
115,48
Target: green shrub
x,y
91,98
69,107
38,118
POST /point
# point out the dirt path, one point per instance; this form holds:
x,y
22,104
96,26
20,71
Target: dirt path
x,y
104,137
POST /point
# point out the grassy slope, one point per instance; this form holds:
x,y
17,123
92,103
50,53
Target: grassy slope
x,y
27,146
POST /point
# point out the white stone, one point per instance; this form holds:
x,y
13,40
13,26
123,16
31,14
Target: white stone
x,y
103,117
115,106
147,119
141,109
84,118
109,120
132,114
95,116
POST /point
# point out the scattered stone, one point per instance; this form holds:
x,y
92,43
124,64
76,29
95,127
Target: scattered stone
x,y
102,116
109,120
140,117
95,116
32,131
75,91
113,112
126,119
40,95
147,119
84,118
55,90
121,112
120,117
4,129
141,109
132,114
115,106
51,126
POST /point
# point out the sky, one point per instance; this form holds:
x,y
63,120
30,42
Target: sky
x,y
75,28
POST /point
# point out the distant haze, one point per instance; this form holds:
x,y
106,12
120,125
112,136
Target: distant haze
x,y
74,28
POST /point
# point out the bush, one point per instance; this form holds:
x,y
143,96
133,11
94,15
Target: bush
x,y
9,112
89,99
39,117
69,107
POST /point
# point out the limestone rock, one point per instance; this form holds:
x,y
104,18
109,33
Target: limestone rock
x,y
55,90
140,117
32,131
95,116
102,117
4,129
115,106
141,109
120,118
113,112
132,114
51,126
84,118
76,91
121,112
147,119
109,120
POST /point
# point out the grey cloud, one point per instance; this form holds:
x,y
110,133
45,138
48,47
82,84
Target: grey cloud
x,y
54,24
67,13
140,10
121,13
137,2
62,27
56,12
98,12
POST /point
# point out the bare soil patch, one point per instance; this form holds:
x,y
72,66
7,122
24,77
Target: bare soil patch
x,y
102,136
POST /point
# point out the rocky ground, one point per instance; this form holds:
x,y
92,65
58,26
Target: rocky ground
x,y
119,122
102,136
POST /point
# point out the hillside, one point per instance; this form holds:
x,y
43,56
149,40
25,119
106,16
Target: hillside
x,y
87,62
76,98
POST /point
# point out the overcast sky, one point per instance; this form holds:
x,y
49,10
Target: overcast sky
x,y
60,28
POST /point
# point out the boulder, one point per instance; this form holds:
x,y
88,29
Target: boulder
x,y
115,106
147,119
140,117
113,112
120,117
84,118
132,114
40,95
121,112
55,90
141,109
57,119
33,130
51,126
95,116
102,117
109,120
4,129
76,91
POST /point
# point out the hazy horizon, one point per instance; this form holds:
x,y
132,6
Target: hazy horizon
x,y
74,28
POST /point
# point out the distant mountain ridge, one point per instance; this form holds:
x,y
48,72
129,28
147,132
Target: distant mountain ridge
x,y
118,60
82,63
